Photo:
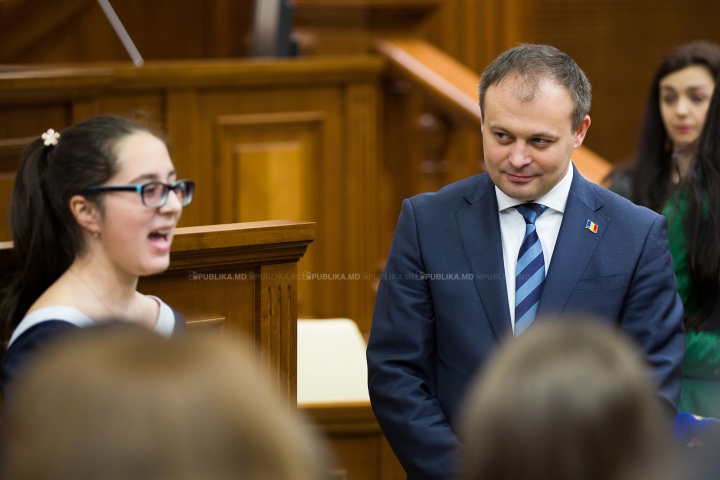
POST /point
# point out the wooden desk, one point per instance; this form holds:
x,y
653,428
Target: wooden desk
x,y
359,446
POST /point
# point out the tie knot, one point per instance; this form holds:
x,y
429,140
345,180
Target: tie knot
x,y
530,211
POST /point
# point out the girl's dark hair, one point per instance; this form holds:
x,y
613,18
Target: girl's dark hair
x,y
652,173
701,224
46,236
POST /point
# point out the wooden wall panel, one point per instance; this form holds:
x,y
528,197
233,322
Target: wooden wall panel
x,y
21,121
269,166
182,129
289,115
83,109
86,37
24,22
360,197
78,31
144,108
11,150
271,179
619,43
476,31
226,27
327,27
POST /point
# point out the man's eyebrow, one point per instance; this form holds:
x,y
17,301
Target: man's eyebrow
x,y
546,135
496,127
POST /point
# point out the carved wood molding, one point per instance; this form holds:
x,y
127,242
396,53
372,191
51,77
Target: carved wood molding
x,y
84,81
279,241
276,241
351,417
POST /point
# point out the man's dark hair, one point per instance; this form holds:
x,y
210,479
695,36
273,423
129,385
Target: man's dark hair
x,y
532,63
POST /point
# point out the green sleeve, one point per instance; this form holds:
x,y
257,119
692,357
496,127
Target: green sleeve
x,y
674,211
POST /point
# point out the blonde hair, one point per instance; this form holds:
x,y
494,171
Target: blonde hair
x,y
565,401
123,403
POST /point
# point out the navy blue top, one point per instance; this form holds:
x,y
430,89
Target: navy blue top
x,y
42,334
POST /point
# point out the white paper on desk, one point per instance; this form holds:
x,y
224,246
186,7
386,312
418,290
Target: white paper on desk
x,y
331,365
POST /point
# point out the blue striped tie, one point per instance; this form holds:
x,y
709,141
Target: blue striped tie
x,y
530,272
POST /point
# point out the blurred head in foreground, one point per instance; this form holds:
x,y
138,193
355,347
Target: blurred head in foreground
x,y
564,401
120,402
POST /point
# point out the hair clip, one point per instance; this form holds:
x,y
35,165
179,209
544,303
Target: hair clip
x,y
51,137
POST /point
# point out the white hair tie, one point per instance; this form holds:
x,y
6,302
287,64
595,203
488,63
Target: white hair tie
x,y
51,137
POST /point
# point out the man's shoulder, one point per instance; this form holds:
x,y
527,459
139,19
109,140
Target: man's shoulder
x,y
617,206
456,194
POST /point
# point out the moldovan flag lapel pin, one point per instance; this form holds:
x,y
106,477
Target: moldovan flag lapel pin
x,y
591,226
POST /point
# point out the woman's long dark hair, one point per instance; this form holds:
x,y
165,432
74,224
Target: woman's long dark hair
x,y
46,236
652,174
701,224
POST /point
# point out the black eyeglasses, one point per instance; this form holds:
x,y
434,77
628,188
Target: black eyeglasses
x,y
153,194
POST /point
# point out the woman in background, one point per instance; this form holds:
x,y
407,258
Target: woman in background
x,y
674,116
147,408
693,214
93,209
565,401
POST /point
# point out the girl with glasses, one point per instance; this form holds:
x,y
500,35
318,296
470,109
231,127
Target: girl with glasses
x,y
94,208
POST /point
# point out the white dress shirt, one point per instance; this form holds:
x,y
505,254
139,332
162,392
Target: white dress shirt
x,y
512,229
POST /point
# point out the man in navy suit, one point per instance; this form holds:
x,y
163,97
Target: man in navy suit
x,y
482,258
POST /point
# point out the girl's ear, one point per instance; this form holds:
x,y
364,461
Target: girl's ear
x,y
86,214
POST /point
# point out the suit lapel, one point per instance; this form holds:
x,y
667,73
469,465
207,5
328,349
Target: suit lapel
x,y
480,235
574,247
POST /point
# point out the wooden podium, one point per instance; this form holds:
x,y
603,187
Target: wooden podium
x,y
241,276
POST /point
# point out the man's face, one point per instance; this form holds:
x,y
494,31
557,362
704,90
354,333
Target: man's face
x,y
528,144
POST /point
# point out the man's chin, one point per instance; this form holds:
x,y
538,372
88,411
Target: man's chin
x,y
525,192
